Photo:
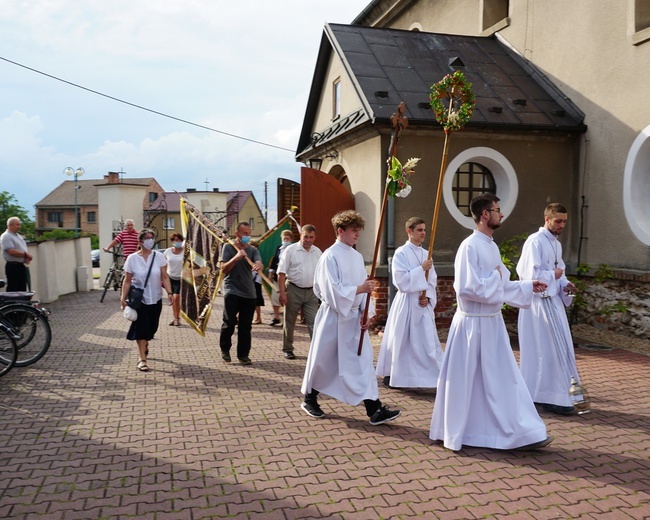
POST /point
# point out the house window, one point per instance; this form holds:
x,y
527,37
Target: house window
x,y
168,223
153,196
92,216
483,170
251,223
639,21
336,98
471,179
55,216
494,11
641,15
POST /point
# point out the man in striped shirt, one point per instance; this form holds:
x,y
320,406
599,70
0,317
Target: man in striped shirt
x,y
128,237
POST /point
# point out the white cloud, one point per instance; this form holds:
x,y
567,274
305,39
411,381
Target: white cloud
x,y
244,68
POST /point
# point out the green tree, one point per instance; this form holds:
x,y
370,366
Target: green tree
x,y
9,207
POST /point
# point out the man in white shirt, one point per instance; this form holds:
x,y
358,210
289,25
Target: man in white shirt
x,y
547,358
296,279
14,250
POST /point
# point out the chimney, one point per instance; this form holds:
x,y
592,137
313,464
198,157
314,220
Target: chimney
x,y
215,190
112,177
191,190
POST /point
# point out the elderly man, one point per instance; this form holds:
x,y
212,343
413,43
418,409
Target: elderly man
x,y
14,250
296,279
128,237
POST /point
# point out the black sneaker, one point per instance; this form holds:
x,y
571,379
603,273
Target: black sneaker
x,y
384,415
289,355
560,410
245,361
536,445
275,322
312,409
226,356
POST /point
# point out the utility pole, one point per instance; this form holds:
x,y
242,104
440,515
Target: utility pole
x,y
206,182
266,202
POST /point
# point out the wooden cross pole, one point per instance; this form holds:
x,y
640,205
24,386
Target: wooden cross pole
x,y
436,207
399,122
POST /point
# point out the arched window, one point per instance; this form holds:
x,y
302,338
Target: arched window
x,y
471,179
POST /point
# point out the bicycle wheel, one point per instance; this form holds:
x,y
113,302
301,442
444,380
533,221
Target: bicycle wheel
x,y
107,283
31,329
8,351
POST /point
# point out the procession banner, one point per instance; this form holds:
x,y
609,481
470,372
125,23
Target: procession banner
x,y
269,244
199,280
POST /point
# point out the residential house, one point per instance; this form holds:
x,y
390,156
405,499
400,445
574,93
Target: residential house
x,y
561,116
57,209
223,208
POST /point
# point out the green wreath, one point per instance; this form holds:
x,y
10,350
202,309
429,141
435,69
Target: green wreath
x,y
455,87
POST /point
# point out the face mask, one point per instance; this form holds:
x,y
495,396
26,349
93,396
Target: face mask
x,y
286,242
178,245
147,243
245,240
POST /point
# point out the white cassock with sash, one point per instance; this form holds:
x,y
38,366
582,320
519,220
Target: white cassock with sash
x,y
410,349
546,358
482,399
333,367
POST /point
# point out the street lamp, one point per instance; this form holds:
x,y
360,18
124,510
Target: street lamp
x,y
77,173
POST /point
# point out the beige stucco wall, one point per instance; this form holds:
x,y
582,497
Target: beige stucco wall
x,y
117,202
587,48
58,267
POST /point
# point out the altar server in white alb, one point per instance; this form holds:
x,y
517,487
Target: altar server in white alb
x,y
333,366
482,399
410,354
547,359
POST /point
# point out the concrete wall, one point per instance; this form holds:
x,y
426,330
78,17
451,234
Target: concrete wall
x,y
59,267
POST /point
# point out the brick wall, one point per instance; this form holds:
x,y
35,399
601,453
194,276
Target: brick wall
x,y
444,309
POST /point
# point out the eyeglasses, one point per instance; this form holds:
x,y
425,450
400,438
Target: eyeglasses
x,y
497,210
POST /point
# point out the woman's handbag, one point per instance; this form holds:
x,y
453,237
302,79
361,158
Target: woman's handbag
x,y
135,293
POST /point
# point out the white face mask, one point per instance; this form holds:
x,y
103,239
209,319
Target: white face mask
x,y
286,242
147,243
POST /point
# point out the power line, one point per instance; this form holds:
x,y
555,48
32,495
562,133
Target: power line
x,y
145,108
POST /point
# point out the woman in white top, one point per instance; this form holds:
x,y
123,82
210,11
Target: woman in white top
x,y
174,257
136,268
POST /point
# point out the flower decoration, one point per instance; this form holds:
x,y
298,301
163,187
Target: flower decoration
x,y
399,177
461,98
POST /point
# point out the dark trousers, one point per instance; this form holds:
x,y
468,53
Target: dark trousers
x,y
237,311
16,276
372,405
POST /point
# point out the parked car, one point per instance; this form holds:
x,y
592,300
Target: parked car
x,y
94,254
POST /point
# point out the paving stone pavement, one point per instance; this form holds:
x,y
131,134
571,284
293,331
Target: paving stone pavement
x,y
85,435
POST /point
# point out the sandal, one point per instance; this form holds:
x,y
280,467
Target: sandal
x,y
177,322
171,323
142,366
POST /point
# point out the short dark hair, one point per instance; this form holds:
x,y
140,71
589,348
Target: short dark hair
x,y
242,223
308,228
177,235
413,222
480,203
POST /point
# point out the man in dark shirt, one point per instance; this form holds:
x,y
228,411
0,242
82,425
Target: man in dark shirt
x,y
240,298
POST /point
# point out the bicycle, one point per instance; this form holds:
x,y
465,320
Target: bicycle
x,y
29,325
115,276
8,350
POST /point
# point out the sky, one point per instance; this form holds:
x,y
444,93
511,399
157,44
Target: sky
x,y
243,68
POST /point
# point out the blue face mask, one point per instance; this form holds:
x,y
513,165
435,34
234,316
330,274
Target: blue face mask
x,y
178,244
245,240
147,243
